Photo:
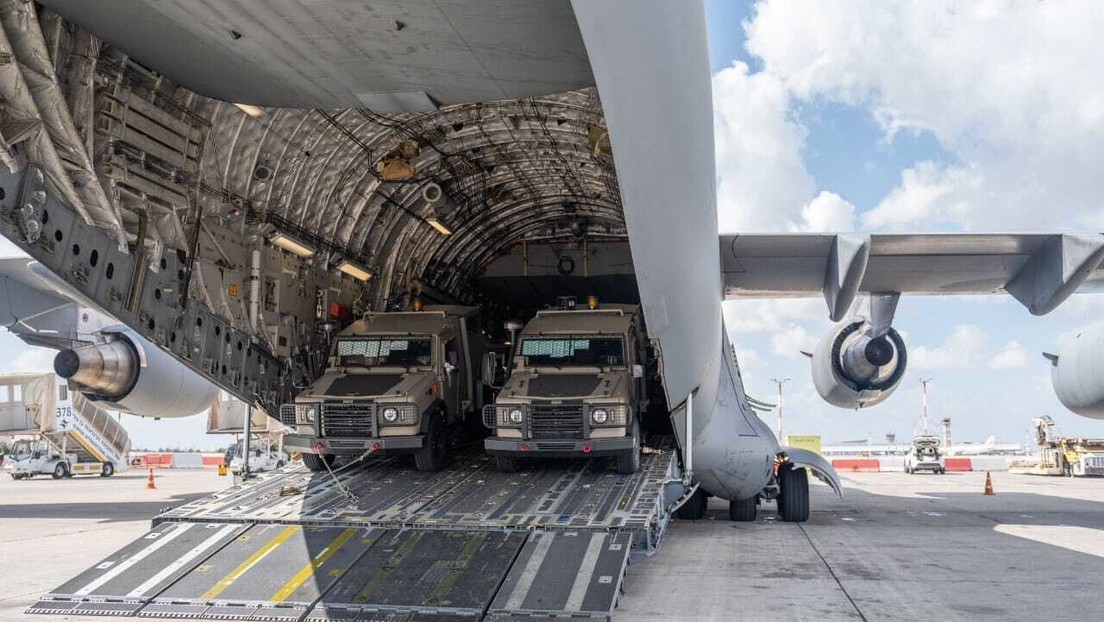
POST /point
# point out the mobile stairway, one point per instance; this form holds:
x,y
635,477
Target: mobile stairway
x,y
72,426
379,540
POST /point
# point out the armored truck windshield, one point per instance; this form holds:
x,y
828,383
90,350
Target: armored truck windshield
x,y
385,351
574,352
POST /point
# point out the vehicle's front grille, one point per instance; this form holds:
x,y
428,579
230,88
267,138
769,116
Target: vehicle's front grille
x,y
556,421
355,419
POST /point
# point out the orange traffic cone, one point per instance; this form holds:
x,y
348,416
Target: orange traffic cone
x,y
149,480
222,470
989,485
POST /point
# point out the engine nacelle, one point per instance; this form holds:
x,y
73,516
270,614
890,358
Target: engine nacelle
x,y
853,369
130,374
1078,371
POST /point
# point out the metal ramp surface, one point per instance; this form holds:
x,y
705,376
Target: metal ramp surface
x,y
387,542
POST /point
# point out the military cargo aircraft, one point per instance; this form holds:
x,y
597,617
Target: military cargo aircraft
x,y
232,179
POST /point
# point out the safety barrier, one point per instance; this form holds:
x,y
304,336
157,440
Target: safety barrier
x,y
187,461
896,464
213,460
959,464
856,465
157,461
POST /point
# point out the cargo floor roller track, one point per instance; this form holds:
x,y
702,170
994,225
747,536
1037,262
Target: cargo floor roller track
x,y
382,541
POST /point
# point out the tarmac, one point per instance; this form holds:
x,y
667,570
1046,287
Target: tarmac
x,y
896,547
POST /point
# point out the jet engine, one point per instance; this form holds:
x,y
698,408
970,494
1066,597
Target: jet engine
x,y
1077,371
854,367
130,374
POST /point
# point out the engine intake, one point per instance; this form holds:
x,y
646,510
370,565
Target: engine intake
x,y
852,368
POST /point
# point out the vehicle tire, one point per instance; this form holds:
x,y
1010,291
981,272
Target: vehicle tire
x,y
506,464
279,464
434,452
743,511
16,476
694,508
629,462
60,471
793,501
317,462
107,470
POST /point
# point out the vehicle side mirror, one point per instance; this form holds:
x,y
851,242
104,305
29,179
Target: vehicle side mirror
x,y
638,371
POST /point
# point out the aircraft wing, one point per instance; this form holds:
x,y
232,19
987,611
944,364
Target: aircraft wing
x,y
1040,270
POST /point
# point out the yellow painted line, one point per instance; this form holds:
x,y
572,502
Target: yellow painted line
x,y
308,571
253,559
88,446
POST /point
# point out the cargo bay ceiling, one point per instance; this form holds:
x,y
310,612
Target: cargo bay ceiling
x,y
193,125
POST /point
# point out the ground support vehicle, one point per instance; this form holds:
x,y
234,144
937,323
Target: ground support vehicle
x,y
925,455
396,382
381,540
576,389
65,433
264,456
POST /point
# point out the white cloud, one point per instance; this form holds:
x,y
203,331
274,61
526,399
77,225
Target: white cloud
x,y
768,316
930,196
965,348
829,212
762,183
791,341
1010,89
1012,356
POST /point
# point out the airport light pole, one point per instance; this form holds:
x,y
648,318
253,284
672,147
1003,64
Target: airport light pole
x,y
924,382
780,382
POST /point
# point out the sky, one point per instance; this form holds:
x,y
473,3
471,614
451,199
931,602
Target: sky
x,y
880,116
887,116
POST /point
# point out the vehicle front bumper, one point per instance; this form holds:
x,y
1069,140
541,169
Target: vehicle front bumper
x,y
552,448
353,446
927,466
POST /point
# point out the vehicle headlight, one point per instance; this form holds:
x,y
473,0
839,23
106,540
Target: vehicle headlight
x,y
510,416
398,414
310,413
610,415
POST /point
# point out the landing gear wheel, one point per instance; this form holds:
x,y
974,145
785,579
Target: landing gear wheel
x,y
694,508
16,476
60,471
434,452
506,464
318,462
629,462
793,501
743,511
107,470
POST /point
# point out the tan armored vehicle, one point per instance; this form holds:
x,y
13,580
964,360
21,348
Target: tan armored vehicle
x,y
576,389
396,382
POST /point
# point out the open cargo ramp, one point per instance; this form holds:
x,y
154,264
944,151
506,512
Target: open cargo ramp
x,y
382,541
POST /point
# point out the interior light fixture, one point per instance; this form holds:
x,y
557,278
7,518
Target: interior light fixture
x,y
292,245
438,225
254,111
355,271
